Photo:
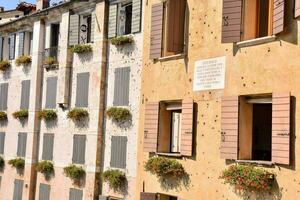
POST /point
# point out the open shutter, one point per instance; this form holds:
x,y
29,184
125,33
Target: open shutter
x,y
281,108
12,39
136,16
1,48
112,20
151,127
148,196
74,30
186,146
21,44
93,25
157,17
231,21
229,127
297,8
278,16
25,94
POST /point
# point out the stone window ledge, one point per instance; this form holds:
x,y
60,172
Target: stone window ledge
x,y
173,57
177,155
257,162
256,41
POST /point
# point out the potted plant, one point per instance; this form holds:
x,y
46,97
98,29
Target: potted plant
x,y
47,114
115,178
21,114
74,172
18,163
81,48
45,167
118,114
4,65
3,116
23,60
77,114
122,40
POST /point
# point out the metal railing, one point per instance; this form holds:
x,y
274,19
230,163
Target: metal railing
x,y
52,52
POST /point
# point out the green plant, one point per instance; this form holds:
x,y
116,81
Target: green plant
x,y
248,178
77,114
121,40
47,114
23,60
81,48
164,167
49,61
115,178
118,114
21,114
18,163
3,115
45,167
74,172
4,65
2,162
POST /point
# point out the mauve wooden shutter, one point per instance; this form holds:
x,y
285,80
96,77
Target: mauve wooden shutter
x,y
3,96
12,41
112,20
51,91
148,196
75,194
229,127
25,94
297,8
22,138
74,29
231,21
121,86
44,192
118,152
48,141
82,90
21,43
186,145
79,149
157,16
151,127
278,16
281,109
2,142
18,189
136,16
1,48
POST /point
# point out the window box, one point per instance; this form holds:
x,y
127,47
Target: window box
x,y
21,114
47,115
4,65
81,48
74,172
115,178
45,167
3,116
118,114
122,40
18,163
23,60
77,114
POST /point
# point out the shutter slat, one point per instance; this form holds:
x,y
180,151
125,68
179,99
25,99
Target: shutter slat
x,y
156,31
186,146
118,151
112,20
278,16
18,189
44,192
74,29
229,132
281,108
82,89
136,16
51,92
151,127
25,94
21,43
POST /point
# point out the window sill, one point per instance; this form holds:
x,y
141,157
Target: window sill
x,y
257,162
256,41
177,155
173,57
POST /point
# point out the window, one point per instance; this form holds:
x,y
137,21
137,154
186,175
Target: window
x,y
3,96
118,152
121,86
18,189
44,193
82,90
124,18
22,139
25,94
85,29
2,142
155,196
75,194
79,149
48,141
51,91
11,46
167,28
52,39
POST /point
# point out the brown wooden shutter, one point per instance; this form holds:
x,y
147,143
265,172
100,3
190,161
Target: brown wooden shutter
x,y
231,21
281,107
156,30
278,16
229,127
175,29
297,8
151,127
186,145
148,196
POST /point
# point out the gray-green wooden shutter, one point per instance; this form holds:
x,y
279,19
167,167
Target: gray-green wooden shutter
x,y
22,138
1,48
51,91
136,16
21,43
74,29
31,43
11,44
118,152
25,94
18,189
48,141
44,192
2,142
102,197
112,20
75,194
121,89
93,25
79,149
82,90
3,96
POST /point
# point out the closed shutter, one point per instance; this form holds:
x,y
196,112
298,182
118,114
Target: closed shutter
x,y
231,21
11,44
112,20
229,127
186,147
44,192
51,91
101,197
93,25
75,194
48,141
118,151
151,127
278,16
2,142
136,16
22,138
156,30
175,29
21,43
74,30
121,88
18,189
25,94
1,48
79,149
82,90
281,109
148,196
297,8
3,96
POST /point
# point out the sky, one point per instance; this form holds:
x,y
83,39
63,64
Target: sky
x,y
11,4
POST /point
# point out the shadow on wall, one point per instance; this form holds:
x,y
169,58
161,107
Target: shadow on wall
x,y
85,57
175,182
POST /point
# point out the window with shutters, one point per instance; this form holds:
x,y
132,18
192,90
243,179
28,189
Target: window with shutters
x,y
118,152
51,41
48,142
44,192
2,142
75,194
25,94
3,96
82,90
11,46
121,86
51,91
79,143
22,140
18,189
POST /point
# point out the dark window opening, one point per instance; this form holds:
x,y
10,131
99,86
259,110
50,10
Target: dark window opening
x,y
263,18
16,16
54,35
85,29
166,197
125,18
